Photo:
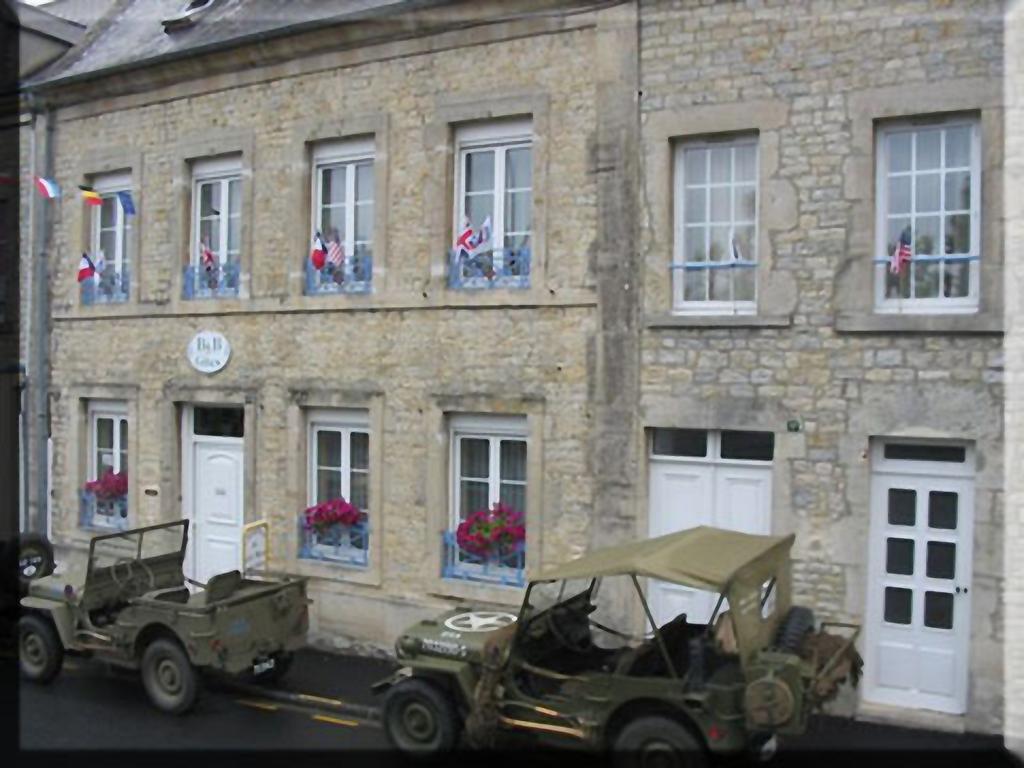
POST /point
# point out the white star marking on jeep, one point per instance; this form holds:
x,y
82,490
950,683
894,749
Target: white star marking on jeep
x,y
479,621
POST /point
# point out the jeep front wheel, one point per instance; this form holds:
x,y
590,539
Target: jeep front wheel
x,y
420,719
40,653
658,742
168,677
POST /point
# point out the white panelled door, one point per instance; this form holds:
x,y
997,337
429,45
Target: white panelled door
x,y
218,519
918,611
703,489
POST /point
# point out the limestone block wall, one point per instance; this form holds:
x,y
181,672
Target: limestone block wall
x,y
411,353
812,79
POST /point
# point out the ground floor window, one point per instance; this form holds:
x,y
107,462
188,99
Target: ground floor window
x,y
335,526
104,496
486,536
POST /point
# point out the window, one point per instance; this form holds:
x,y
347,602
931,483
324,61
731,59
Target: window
x,y
713,444
105,494
343,195
339,469
110,240
494,196
216,228
715,261
928,198
488,478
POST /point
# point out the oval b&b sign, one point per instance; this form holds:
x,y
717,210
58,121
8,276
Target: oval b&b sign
x,y
208,351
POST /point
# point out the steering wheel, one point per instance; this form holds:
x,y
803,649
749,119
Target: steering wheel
x,y
571,639
113,571
149,574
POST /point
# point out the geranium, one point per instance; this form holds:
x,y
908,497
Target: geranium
x,y
113,485
322,516
491,532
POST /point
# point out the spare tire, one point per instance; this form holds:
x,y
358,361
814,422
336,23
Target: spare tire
x,y
794,628
35,557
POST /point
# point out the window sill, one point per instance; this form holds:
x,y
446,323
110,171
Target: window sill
x,y
882,322
478,592
718,321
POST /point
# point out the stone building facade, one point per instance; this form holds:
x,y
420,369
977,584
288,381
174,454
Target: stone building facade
x,y
695,335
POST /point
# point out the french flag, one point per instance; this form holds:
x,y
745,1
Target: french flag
x,y
319,253
86,268
47,188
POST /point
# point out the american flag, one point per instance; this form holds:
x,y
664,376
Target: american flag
x,y
901,254
334,253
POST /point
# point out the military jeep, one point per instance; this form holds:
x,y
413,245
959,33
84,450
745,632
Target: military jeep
x,y
131,607
563,673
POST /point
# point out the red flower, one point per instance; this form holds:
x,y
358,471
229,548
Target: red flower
x,y
491,533
113,485
331,512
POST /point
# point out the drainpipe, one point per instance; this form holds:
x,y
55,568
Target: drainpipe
x,y
39,371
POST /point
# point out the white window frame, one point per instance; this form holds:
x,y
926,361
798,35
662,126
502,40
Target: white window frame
x,y
223,170
108,186
713,307
714,449
494,429
940,304
880,464
347,154
347,422
106,409
500,136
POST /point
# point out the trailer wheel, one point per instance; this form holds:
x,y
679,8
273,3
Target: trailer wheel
x,y
420,719
657,741
40,653
169,677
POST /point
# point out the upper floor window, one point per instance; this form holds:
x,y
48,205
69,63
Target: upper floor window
x,y
928,216
343,195
104,498
213,268
335,525
110,240
715,252
493,221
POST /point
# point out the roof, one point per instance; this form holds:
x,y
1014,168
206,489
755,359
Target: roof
x,y
132,32
40,20
702,557
83,12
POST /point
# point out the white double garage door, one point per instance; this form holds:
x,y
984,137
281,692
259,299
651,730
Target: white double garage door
x,y
917,617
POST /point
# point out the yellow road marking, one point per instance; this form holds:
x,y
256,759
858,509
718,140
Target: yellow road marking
x,y
258,704
311,697
335,720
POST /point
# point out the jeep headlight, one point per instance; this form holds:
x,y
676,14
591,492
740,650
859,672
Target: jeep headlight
x,y
407,645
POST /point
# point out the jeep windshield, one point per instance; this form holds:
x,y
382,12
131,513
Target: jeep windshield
x,y
151,543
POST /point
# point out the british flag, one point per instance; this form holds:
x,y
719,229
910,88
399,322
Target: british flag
x,y
901,254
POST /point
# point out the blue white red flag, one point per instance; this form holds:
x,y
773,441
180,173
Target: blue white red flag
x,y
47,187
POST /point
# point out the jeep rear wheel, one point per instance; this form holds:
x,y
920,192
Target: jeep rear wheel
x,y
658,742
420,719
168,677
40,653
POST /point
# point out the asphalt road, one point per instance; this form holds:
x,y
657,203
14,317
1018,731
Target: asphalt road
x,y
324,709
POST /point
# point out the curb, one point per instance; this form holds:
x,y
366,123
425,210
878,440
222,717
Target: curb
x,y
309,701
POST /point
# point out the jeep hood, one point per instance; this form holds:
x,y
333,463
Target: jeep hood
x,y
52,587
456,634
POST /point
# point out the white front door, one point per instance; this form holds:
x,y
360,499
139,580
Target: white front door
x,y
919,572
214,503
700,487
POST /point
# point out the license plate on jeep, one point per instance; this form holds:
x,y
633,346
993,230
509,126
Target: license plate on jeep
x,y
262,666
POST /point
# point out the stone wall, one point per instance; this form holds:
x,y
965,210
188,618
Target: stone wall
x,y
410,353
810,78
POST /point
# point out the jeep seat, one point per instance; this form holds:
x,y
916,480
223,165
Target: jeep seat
x,y
221,587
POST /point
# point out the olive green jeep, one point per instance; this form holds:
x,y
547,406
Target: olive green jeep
x,y
562,672
131,607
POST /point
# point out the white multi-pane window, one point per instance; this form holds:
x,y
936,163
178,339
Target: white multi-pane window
x,y
108,438
929,194
715,250
110,238
495,181
489,465
217,210
339,457
343,207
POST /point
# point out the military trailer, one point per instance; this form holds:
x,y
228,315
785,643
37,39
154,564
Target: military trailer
x,y
564,674
131,607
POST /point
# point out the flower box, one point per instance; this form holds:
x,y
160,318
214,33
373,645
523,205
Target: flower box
x,y
334,531
488,546
95,512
